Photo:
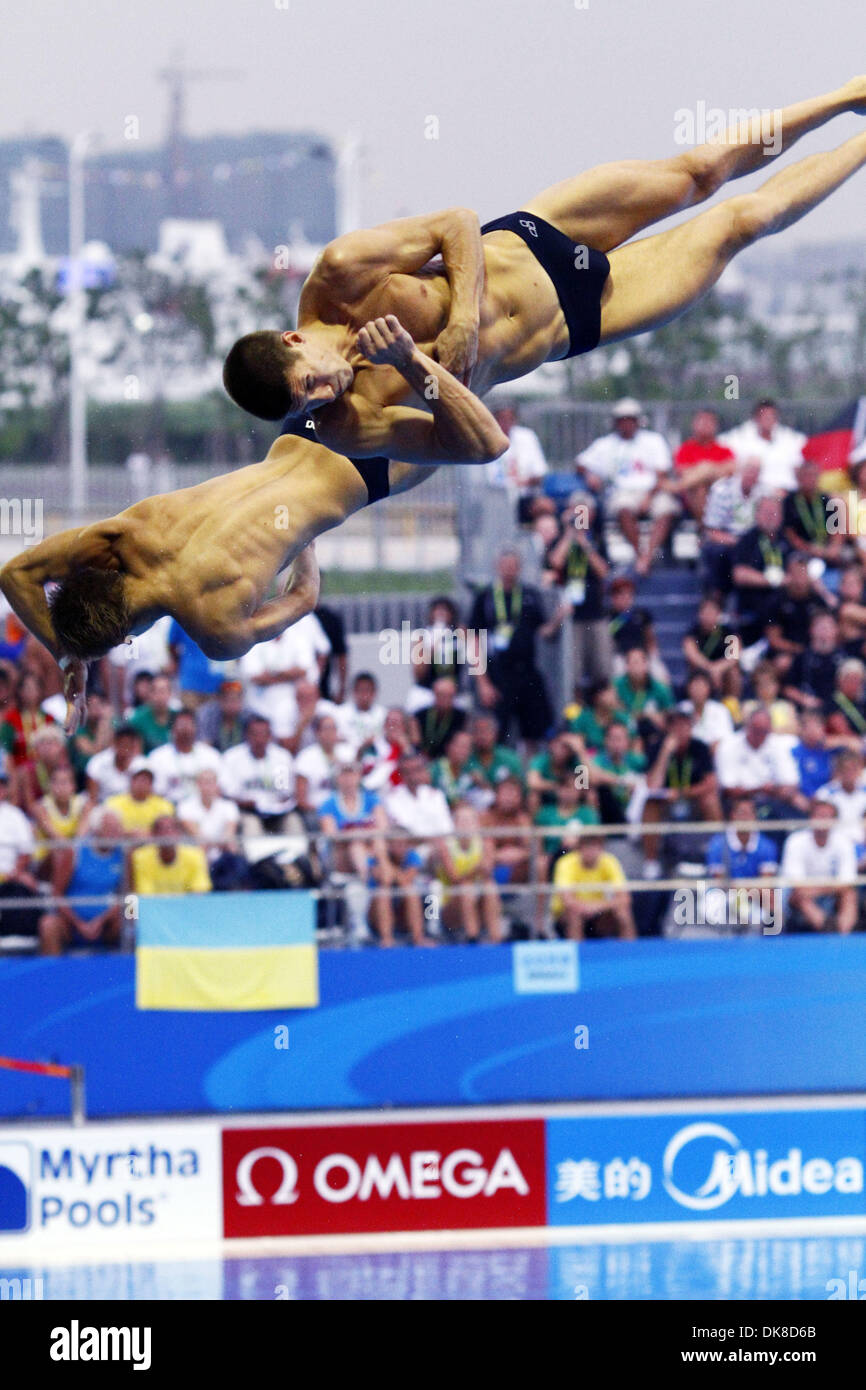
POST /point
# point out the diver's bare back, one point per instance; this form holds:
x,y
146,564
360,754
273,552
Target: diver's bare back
x,y
215,548
205,555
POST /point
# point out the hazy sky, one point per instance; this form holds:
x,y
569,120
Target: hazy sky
x,y
526,92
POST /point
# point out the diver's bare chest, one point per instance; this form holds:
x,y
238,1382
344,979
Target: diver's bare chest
x,y
414,300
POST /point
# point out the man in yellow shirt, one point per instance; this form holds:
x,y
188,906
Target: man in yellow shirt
x,y
169,868
138,808
592,900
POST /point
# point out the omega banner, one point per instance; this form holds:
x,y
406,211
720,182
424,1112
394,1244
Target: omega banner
x,y
385,1177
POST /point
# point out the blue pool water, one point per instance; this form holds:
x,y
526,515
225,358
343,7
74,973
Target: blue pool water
x,y
749,1268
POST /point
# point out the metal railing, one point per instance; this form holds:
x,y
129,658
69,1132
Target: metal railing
x,y
73,1073
534,834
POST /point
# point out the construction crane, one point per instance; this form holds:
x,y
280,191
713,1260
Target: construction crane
x,y
177,75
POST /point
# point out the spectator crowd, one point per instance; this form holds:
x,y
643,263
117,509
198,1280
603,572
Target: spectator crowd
x,y
475,809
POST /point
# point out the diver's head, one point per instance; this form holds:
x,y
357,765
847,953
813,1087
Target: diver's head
x,y
90,612
273,374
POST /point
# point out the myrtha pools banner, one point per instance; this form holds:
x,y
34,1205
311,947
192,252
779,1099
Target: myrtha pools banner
x,y
109,1185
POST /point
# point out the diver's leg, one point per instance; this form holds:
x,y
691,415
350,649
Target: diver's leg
x,y
607,205
653,280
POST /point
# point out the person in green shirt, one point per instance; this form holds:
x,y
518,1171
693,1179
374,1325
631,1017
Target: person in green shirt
x,y
451,774
570,806
589,722
153,720
546,770
491,762
615,773
641,695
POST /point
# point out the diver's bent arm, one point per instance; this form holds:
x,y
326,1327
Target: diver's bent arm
x,y
463,258
23,578
462,424
27,599
460,428
22,581
407,244
300,598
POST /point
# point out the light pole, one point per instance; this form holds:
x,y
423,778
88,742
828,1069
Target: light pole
x,y
77,308
349,183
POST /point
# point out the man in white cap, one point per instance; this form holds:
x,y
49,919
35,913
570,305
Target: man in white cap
x,y
633,463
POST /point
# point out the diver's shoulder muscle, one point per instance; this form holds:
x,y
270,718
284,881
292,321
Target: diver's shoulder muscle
x,y
282,447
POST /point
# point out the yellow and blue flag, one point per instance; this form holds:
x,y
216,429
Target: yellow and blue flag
x,y
222,951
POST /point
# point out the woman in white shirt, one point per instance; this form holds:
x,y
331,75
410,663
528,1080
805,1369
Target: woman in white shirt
x,y
712,719
211,818
316,766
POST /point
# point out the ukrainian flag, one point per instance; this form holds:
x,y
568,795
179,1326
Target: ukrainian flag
x,y
222,951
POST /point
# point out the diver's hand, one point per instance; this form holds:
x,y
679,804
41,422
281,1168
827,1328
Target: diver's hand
x,y
386,340
456,349
75,690
304,574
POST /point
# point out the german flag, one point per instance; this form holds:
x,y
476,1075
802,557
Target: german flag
x,y
839,444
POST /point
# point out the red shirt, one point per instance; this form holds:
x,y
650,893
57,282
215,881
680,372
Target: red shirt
x,y
691,452
18,731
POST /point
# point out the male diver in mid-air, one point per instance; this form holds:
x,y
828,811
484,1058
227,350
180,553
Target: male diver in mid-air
x,y
378,371
209,555
551,281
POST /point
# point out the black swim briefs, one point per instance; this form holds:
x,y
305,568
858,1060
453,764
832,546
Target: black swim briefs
x,y
578,274
374,471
